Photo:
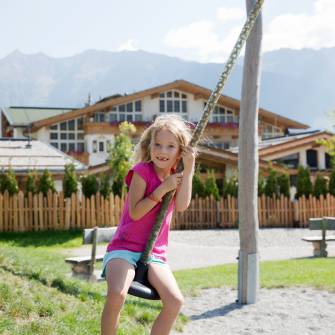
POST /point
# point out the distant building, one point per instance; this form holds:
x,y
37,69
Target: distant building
x,y
23,156
87,133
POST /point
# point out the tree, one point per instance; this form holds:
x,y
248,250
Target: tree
x,y
105,187
261,185
320,186
70,182
331,185
31,183
211,188
198,187
284,185
231,187
9,183
304,184
271,187
119,157
89,185
46,183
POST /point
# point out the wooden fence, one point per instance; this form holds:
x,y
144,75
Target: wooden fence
x,y
53,212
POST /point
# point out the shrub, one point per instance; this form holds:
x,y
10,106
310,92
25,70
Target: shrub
x,y
284,185
271,187
261,185
8,182
31,183
46,183
105,187
231,187
304,184
70,182
89,185
320,186
331,185
211,188
198,187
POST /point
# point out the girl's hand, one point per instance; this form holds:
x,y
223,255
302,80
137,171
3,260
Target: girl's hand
x,y
188,156
172,182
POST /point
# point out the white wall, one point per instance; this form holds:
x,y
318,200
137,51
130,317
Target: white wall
x,y
96,158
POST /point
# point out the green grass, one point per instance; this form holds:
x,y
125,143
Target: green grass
x,y
38,297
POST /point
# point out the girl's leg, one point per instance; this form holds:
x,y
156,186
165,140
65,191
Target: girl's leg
x,y
120,274
161,277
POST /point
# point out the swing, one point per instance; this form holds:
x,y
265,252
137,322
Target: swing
x,y
140,286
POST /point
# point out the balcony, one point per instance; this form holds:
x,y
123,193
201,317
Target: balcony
x,y
82,157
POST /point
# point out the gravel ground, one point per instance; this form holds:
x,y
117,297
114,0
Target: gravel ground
x,y
293,311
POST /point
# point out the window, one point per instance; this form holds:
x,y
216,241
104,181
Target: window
x,y
71,125
72,146
94,146
271,131
80,146
65,135
63,126
99,117
223,115
63,147
130,112
101,146
173,102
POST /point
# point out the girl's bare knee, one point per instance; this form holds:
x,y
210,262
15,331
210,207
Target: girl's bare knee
x,y
115,296
174,302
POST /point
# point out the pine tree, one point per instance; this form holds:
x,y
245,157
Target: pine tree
x,y
9,182
271,187
284,184
31,183
231,187
70,182
198,187
105,187
46,183
211,188
304,184
90,185
320,186
331,185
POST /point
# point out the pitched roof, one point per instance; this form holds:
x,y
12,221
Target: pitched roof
x,y
273,145
23,156
23,116
183,85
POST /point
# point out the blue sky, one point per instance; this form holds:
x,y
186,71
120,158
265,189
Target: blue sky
x,y
196,30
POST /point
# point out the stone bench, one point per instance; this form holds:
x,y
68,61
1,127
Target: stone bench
x,y
319,242
83,266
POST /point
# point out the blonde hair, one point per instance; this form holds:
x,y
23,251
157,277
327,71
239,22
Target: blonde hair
x,y
180,128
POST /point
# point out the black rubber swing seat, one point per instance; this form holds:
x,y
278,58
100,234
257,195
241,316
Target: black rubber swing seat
x,y
140,287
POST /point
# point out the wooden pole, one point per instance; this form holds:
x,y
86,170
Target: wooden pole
x,y
248,267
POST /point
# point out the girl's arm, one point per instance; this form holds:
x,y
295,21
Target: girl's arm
x,y
138,205
184,193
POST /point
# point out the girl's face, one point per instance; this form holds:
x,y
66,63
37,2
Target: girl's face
x,y
164,149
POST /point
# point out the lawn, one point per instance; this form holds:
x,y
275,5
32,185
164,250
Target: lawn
x,y
38,297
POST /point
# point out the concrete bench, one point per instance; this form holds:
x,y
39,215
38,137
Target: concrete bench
x,y
319,242
83,266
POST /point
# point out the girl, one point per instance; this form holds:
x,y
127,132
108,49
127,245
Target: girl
x,y
160,148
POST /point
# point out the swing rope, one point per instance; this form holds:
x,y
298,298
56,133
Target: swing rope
x,y
140,286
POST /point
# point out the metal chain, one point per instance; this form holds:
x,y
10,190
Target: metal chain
x,y
212,101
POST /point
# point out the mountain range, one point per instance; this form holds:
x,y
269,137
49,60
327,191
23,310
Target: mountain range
x,y
295,83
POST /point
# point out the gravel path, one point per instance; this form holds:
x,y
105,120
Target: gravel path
x,y
294,311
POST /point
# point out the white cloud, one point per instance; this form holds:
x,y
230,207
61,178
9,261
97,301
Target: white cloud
x,y
130,45
201,38
229,14
302,31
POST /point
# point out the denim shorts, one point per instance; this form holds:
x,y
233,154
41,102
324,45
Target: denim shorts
x,y
129,256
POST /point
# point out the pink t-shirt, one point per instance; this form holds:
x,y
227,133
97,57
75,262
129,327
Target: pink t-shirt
x,y
132,234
